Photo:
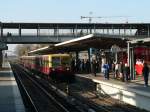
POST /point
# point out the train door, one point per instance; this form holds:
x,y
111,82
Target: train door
x,y
43,64
37,63
47,64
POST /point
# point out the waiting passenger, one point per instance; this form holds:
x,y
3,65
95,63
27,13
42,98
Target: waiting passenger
x,y
78,62
145,74
88,66
116,70
73,65
83,66
126,72
9,34
97,66
106,71
120,69
94,67
113,69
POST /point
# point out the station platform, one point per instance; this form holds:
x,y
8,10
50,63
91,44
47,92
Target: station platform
x,y
132,92
10,98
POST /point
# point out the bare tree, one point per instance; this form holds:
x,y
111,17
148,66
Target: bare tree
x,y
23,49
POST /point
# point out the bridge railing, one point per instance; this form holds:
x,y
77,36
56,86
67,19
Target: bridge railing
x,y
66,32
71,35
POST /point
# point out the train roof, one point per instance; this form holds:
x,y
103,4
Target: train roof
x,y
26,56
45,55
59,54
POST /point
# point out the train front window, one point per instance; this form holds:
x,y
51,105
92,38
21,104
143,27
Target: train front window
x,y
65,60
56,61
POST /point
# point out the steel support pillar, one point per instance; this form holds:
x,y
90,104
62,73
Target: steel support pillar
x,y
38,31
90,31
124,31
130,64
76,32
1,31
90,57
133,64
148,31
132,68
103,31
112,30
1,58
107,31
55,32
131,61
116,56
19,31
128,52
73,32
58,33
94,29
130,31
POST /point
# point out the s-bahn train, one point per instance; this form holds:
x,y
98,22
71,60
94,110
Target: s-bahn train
x,y
54,66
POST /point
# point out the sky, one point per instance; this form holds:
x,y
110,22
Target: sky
x,y
72,10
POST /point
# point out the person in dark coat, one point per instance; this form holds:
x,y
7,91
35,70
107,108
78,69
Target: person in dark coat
x,y
94,67
145,74
83,66
73,65
120,69
126,72
113,69
78,65
88,66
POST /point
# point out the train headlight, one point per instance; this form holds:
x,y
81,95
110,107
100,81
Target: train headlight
x,y
53,69
68,68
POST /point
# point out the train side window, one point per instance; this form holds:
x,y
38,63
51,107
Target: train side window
x,y
65,60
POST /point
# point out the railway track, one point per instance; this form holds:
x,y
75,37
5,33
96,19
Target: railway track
x,y
82,89
42,100
28,102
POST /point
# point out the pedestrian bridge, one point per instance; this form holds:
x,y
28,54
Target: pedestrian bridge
x,y
26,33
55,39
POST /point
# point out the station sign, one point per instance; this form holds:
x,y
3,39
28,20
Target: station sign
x,y
3,46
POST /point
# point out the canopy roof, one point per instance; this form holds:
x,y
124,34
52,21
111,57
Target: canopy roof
x,y
83,43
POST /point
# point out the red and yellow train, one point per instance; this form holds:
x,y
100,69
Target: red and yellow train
x,y
54,66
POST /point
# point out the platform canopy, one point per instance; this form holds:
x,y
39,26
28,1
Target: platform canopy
x,y
140,42
85,42
92,41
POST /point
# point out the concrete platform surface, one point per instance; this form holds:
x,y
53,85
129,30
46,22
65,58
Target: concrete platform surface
x,y
137,84
10,98
132,92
